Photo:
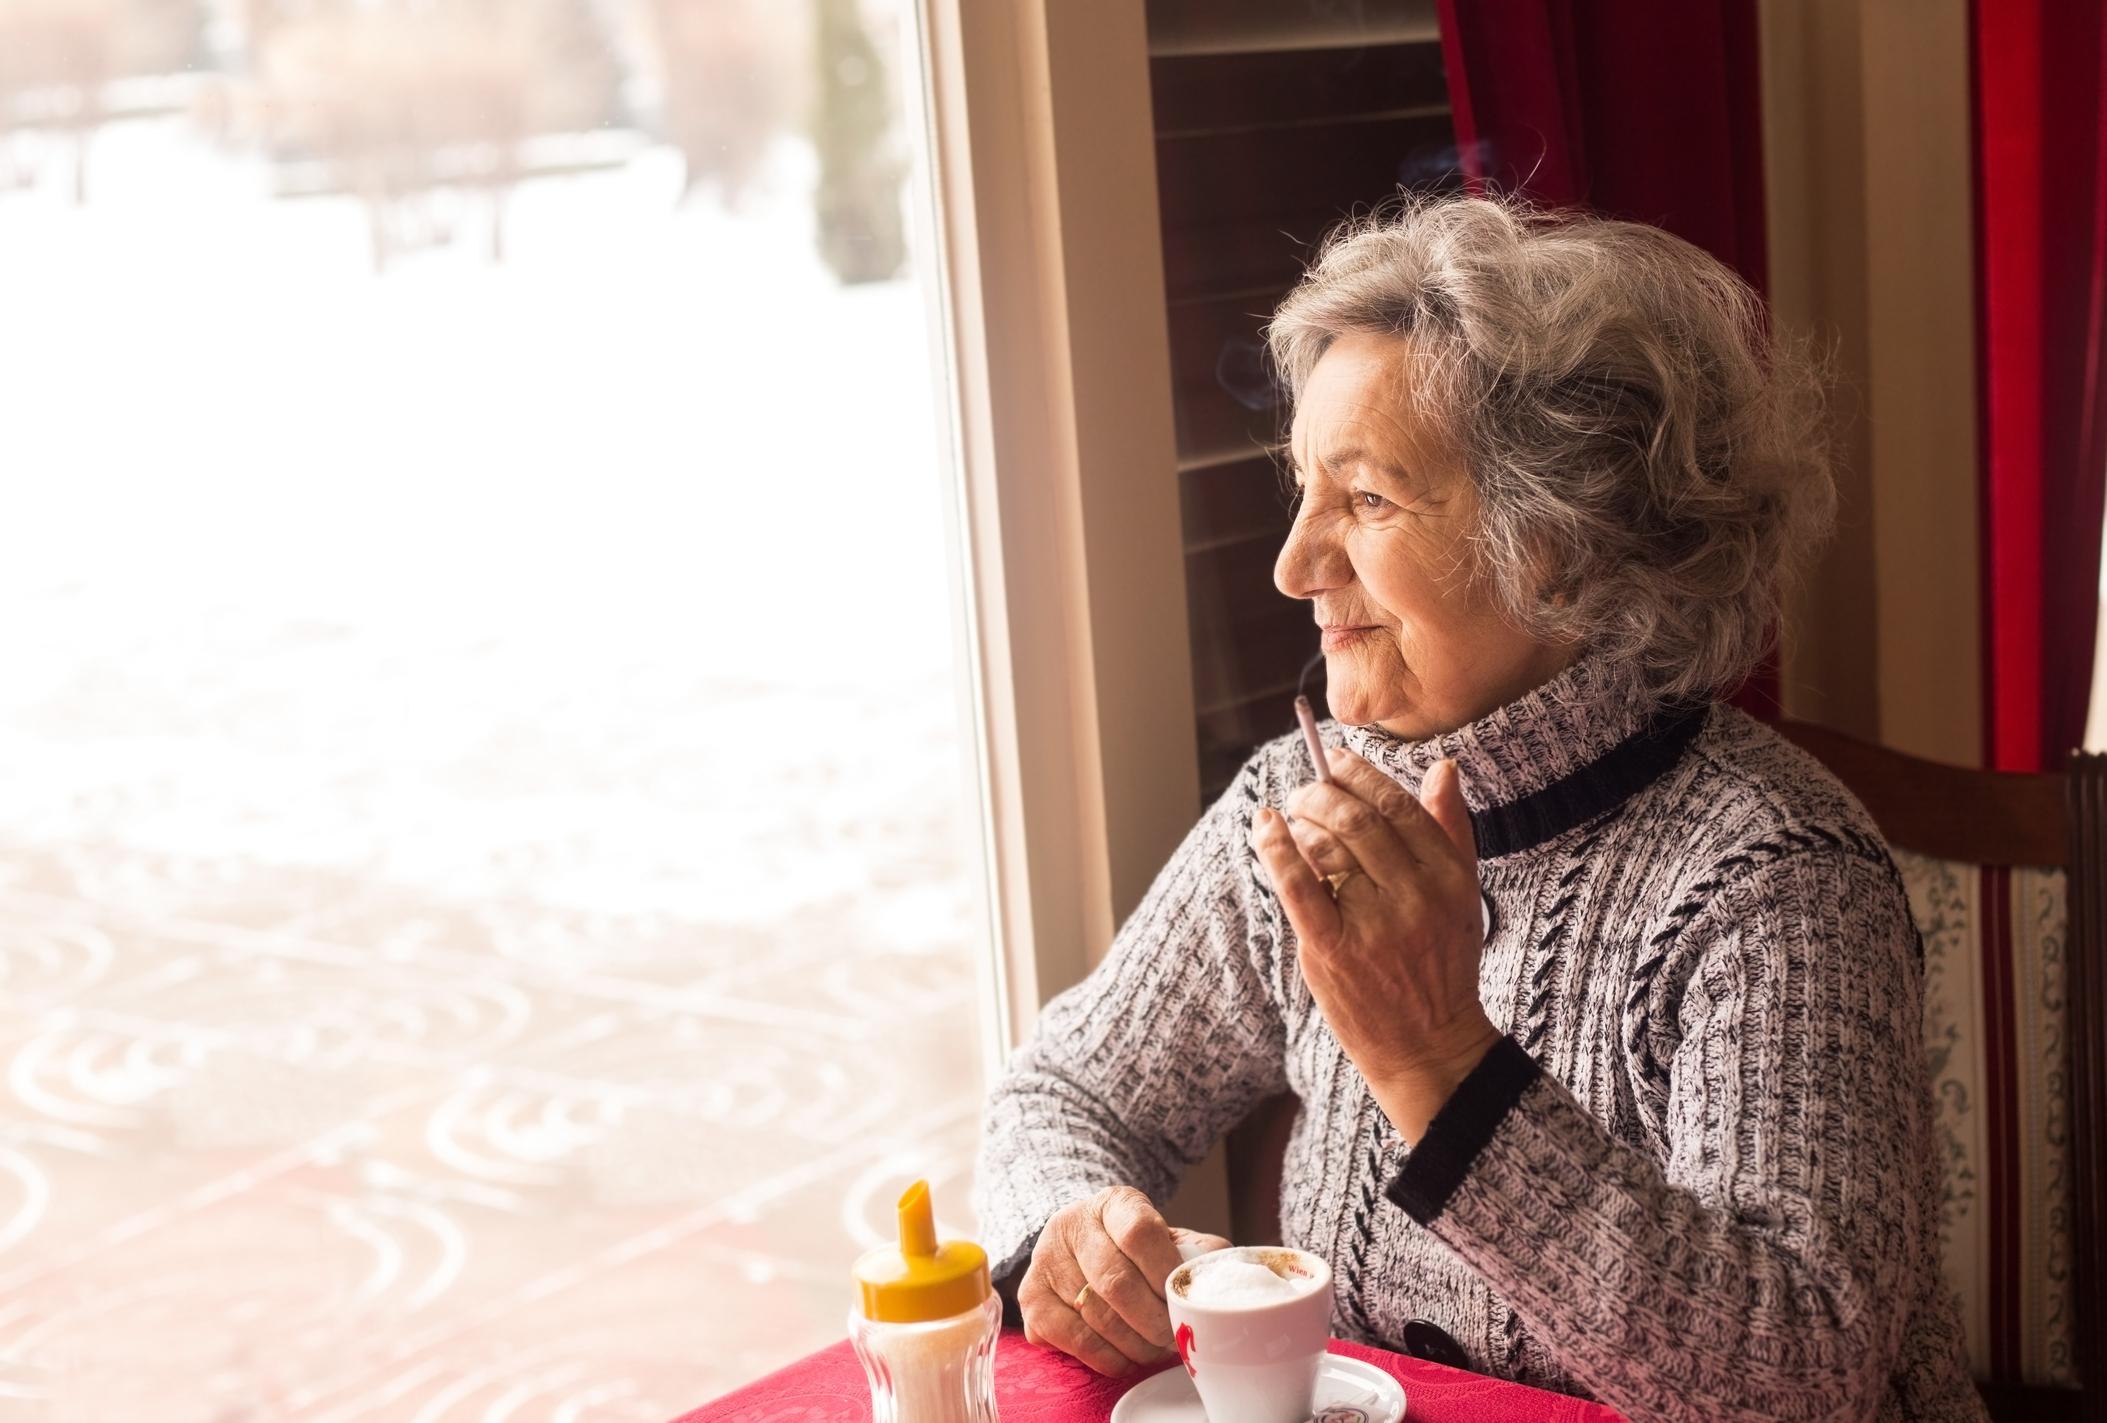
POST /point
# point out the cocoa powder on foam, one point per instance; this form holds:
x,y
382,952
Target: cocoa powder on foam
x,y
1282,1262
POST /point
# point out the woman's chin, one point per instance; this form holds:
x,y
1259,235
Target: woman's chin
x,y
1401,720
1363,680
1351,707
1365,690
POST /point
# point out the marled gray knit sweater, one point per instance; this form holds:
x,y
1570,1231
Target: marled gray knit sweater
x,y
1696,1180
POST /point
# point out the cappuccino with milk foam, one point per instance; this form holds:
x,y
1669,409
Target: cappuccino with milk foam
x,y
1243,1280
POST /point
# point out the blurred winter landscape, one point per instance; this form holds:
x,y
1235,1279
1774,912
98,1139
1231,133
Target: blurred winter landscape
x,y
486,848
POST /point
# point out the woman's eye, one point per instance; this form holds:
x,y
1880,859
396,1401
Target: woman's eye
x,y
1371,500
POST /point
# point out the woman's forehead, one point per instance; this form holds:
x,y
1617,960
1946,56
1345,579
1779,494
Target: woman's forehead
x,y
1360,402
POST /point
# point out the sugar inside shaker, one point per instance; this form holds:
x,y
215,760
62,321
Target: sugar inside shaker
x,y
925,1323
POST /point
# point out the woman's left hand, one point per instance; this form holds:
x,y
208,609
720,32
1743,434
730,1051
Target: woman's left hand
x,y
1392,959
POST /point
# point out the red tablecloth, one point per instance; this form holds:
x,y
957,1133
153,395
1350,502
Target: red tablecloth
x,y
1034,1385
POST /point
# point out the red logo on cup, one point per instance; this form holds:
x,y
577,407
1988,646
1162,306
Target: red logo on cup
x,y
1185,1349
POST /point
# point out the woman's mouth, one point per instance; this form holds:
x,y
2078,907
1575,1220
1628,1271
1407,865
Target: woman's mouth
x,y
1336,638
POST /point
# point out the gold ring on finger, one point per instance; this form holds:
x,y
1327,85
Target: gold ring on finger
x,y
1338,879
1081,1297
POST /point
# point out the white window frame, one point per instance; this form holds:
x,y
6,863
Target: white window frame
x,y
1056,350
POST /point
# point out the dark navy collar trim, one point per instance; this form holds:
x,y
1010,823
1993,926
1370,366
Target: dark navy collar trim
x,y
1603,784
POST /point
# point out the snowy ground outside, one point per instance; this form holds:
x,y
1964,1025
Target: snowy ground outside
x,y
485,853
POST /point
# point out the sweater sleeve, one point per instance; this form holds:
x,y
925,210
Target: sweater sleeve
x,y
1130,1076
1755,1263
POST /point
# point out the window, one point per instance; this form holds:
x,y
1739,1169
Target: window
x,y
489,841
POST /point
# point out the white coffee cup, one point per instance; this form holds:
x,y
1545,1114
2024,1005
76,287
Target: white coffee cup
x,y
1252,1359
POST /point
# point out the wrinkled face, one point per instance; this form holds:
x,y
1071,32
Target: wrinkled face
x,y
1381,547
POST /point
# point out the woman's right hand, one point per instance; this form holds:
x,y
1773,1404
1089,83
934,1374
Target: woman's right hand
x,y
1118,1244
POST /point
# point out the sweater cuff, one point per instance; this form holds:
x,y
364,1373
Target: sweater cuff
x,y
1460,1130
1005,1276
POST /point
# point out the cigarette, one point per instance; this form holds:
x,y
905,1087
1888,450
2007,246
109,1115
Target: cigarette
x,y
1310,738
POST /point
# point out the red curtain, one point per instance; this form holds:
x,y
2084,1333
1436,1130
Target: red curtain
x,y
2041,258
1648,110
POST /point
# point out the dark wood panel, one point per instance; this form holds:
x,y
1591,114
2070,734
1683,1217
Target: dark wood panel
x,y
1245,635
1230,586
1216,431
1258,252
1207,180
1219,343
1250,646
1217,26
1258,255
1245,91
1223,503
1275,120
1237,662
1222,393
1228,735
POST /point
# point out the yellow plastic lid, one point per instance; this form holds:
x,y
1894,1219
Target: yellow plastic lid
x,y
919,1280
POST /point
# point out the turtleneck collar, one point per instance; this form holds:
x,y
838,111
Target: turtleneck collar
x,y
1581,744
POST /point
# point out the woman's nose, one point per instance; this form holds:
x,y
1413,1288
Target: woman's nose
x,y
1311,561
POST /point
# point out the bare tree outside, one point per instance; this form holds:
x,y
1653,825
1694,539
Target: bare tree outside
x,y
862,167
58,57
731,84
398,98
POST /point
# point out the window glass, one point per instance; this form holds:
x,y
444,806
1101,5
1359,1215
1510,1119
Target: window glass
x,y
488,852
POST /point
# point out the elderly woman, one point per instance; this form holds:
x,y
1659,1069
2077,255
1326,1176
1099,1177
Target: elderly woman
x,y
1600,1000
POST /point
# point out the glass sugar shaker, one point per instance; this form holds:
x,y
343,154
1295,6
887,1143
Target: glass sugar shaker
x,y
926,1322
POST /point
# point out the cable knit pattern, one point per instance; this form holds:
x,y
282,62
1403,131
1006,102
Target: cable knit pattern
x,y
1696,1182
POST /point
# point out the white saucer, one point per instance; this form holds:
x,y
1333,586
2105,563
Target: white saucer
x,y
1348,1391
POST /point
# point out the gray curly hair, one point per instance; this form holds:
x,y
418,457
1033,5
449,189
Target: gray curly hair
x,y
1650,464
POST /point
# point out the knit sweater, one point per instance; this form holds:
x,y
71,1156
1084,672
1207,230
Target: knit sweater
x,y
1695,1181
